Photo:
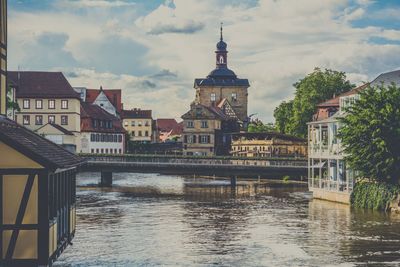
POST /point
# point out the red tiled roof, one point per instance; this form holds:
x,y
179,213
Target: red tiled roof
x,y
92,111
167,125
136,114
334,102
113,95
355,90
35,84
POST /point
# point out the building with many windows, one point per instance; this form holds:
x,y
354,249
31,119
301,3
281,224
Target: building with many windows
x,y
46,97
101,132
328,175
267,144
219,108
139,124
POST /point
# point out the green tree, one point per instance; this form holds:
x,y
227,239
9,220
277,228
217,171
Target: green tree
x,y
313,89
257,126
282,114
370,133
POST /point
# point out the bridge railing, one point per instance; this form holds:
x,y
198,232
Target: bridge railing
x,y
194,161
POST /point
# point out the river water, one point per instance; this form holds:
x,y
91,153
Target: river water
x,y
153,220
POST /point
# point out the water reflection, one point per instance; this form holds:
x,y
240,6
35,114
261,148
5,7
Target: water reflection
x,y
151,220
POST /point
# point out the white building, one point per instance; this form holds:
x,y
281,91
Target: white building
x,y
328,176
101,132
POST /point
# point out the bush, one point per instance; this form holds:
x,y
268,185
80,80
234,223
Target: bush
x,y
372,195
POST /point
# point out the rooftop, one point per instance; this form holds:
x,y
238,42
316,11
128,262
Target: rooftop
x,y
37,84
136,114
38,148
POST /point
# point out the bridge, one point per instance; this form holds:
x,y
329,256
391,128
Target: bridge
x,y
208,166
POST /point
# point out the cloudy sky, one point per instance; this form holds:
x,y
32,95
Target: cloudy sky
x,y
154,49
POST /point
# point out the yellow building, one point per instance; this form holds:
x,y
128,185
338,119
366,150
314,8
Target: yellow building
x,y
267,145
139,124
46,97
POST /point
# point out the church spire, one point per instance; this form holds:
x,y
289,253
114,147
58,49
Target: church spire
x,y
221,53
221,39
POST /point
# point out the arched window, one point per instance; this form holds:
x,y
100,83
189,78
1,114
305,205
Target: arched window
x,y
221,59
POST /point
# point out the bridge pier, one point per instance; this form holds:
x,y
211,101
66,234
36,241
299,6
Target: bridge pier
x,y
233,180
106,179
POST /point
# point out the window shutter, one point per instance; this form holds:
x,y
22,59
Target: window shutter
x,y
194,139
185,138
208,139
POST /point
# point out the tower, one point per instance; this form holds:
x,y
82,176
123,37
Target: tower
x,y
222,85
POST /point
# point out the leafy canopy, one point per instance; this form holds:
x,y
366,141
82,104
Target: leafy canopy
x,y
292,117
370,134
257,126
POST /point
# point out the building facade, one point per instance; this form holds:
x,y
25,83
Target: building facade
x,y
219,108
139,125
46,97
107,99
101,132
265,145
329,177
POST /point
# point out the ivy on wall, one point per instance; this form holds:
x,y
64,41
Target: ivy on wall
x,y
373,195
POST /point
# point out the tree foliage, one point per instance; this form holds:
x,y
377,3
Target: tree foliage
x,y
371,134
292,117
282,114
257,126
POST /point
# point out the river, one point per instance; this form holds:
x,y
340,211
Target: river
x,y
151,220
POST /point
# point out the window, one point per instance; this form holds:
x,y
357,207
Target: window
x,y
52,104
190,124
146,123
26,104
38,120
106,150
221,59
97,137
92,138
140,133
26,119
92,151
115,137
64,120
191,139
97,150
234,96
213,97
39,104
120,151
64,104
94,123
119,139
204,139
101,124
132,123
204,124
139,123
146,133
102,151
52,119
133,133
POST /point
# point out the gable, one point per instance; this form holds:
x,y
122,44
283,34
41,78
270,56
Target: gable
x,y
199,112
103,102
15,159
228,110
49,129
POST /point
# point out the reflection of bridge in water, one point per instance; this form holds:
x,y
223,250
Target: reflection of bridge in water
x,y
228,167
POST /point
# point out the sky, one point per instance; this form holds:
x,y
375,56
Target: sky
x,y
154,49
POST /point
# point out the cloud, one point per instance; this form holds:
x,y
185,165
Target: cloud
x,y
154,55
93,3
168,19
164,74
